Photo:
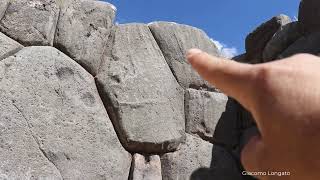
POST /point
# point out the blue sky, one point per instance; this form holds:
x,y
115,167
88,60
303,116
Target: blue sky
x,y
226,21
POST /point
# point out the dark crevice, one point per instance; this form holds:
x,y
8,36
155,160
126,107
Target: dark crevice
x,y
111,111
56,24
204,87
202,136
131,169
35,138
111,107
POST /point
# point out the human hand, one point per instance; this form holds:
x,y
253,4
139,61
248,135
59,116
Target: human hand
x,y
284,98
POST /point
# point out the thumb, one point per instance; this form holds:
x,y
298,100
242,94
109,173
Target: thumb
x,y
231,77
253,156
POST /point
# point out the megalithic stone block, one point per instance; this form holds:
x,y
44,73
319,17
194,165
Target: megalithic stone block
x,y
83,30
203,111
281,40
31,22
20,155
198,159
144,100
257,40
59,102
175,40
146,167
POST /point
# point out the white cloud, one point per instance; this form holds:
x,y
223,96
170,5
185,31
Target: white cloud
x,y
225,51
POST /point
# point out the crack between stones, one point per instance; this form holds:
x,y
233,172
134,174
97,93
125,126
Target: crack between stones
x,y
111,113
60,47
158,44
108,106
202,136
5,12
35,139
10,53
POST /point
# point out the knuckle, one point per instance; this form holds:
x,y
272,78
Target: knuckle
x,y
262,75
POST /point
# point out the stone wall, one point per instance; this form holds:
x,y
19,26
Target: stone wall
x,y
83,98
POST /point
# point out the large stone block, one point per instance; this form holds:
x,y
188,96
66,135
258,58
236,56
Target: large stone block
x,y
306,44
281,40
20,154
146,167
142,96
309,13
198,159
175,40
31,22
59,101
83,30
203,111
8,46
258,39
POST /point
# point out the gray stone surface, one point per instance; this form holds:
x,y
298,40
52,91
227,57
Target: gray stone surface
x,y
3,7
20,156
258,39
145,102
309,13
146,167
31,22
306,44
8,46
282,39
59,101
83,30
203,111
174,41
198,159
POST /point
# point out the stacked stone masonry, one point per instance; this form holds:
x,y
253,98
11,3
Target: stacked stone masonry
x,y
84,98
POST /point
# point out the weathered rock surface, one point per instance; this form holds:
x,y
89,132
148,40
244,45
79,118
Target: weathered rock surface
x,y
8,46
3,7
198,159
20,156
309,13
174,41
306,44
83,29
282,39
58,100
31,22
203,111
258,39
146,168
145,102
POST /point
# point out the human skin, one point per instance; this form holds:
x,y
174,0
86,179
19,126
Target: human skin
x,y
284,99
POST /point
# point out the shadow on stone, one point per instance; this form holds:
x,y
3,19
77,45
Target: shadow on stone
x,y
236,125
223,166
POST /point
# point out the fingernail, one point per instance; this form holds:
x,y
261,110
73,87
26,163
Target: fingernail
x,y
193,52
